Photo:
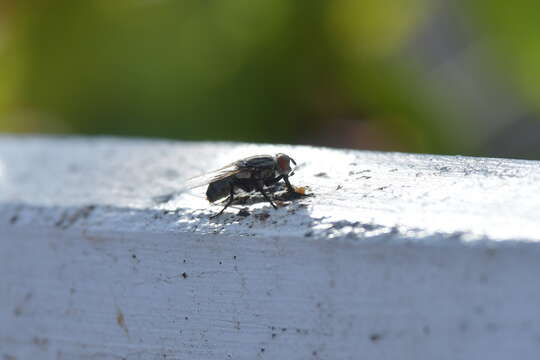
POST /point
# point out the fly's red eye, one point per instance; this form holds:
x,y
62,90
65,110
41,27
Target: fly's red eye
x,y
283,163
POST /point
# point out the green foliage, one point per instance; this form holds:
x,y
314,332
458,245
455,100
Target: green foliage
x,y
241,70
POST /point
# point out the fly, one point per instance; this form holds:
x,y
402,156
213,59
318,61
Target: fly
x,y
250,174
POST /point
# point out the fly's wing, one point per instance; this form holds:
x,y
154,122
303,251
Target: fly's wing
x,y
200,180
212,176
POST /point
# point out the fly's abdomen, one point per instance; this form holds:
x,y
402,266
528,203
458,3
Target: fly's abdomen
x,y
219,189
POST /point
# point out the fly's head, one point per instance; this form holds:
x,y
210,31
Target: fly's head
x,y
283,164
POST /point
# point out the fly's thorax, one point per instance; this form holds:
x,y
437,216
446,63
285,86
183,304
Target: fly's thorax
x,y
263,174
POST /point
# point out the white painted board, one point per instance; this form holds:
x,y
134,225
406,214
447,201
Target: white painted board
x,y
395,256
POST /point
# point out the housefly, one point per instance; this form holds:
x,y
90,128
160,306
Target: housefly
x,y
250,174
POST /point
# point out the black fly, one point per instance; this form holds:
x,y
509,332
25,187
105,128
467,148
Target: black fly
x,y
250,174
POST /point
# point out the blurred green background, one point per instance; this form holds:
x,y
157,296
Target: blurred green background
x,y
437,76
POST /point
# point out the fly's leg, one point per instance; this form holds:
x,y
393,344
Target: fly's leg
x,y
261,190
273,180
229,202
289,186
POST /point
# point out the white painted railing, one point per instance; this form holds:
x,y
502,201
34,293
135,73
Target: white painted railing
x,y
396,256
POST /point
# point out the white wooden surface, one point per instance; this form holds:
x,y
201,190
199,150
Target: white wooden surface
x,y
396,256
